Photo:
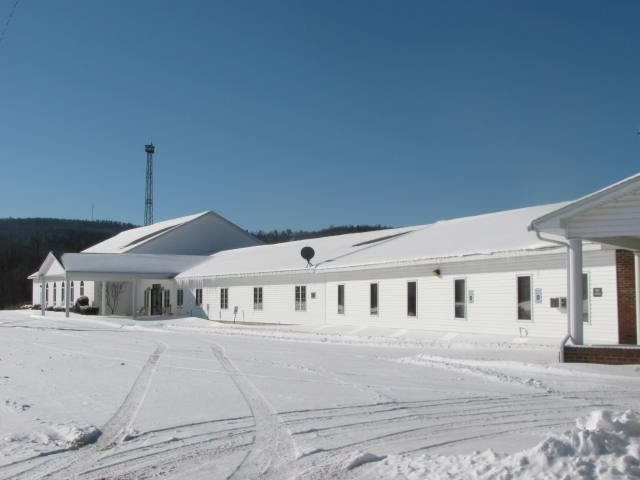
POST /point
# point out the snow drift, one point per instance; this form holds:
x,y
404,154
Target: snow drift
x,y
602,445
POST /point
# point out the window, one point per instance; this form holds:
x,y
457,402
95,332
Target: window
x,y
180,297
301,298
524,298
54,292
72,295
411,299
198,296
224,298
257,298
585,297
460,294
62,292
373,299
167,298
81,288
340,298
46,293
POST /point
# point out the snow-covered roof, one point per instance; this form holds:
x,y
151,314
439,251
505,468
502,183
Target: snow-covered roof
x,y
133,265
129,239
51,267
502,232
447,240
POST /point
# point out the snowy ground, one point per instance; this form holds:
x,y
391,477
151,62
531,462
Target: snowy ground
x,y
104,398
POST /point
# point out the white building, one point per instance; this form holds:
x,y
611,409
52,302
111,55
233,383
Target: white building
x,y
518,272
153,252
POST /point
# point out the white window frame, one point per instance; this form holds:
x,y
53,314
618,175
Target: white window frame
x,y
518,301
456,302
374,308
257,298
415,299
180,297
341,298
301,298
586,298
224,298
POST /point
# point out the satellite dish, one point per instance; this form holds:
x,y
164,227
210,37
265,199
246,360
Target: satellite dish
x,y
307,253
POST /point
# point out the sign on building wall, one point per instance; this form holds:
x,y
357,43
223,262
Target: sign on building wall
x,y
538,295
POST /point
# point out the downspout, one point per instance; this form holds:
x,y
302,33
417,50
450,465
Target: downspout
x,y
562,244
324,294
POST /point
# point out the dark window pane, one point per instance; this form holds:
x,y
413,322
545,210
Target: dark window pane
x,y
524,298
374,299
340,298
460,300
411,299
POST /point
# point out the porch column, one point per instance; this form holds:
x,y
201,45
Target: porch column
x,y
103,300
67,295
636,256
574,302
134,298
42,296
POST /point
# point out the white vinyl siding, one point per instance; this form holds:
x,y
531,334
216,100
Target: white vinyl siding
x,y
493,310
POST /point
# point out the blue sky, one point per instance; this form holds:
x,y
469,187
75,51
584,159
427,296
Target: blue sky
x,y
303,114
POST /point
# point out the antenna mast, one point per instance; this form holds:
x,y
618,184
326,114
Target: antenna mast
x,y
148,200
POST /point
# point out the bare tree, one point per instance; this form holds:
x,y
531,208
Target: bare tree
x,y
114,290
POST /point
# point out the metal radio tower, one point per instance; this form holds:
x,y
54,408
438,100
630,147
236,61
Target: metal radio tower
x,y
148,200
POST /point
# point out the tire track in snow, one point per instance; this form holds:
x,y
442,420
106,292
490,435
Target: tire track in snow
x,y
331,438
69,462
474,368
115,430
272,441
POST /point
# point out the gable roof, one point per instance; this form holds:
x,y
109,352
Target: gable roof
x,y
51,267
448,240
200,234
555,221
609,216
129,239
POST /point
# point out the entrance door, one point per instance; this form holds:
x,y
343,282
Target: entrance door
x,y
156,299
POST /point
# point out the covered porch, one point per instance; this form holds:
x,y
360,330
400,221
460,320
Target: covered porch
x,y
115,271
610,216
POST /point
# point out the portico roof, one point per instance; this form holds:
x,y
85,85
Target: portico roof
x,y
102,266
610,216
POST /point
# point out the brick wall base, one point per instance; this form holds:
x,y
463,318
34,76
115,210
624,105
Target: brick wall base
x,y
609,355
626,286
